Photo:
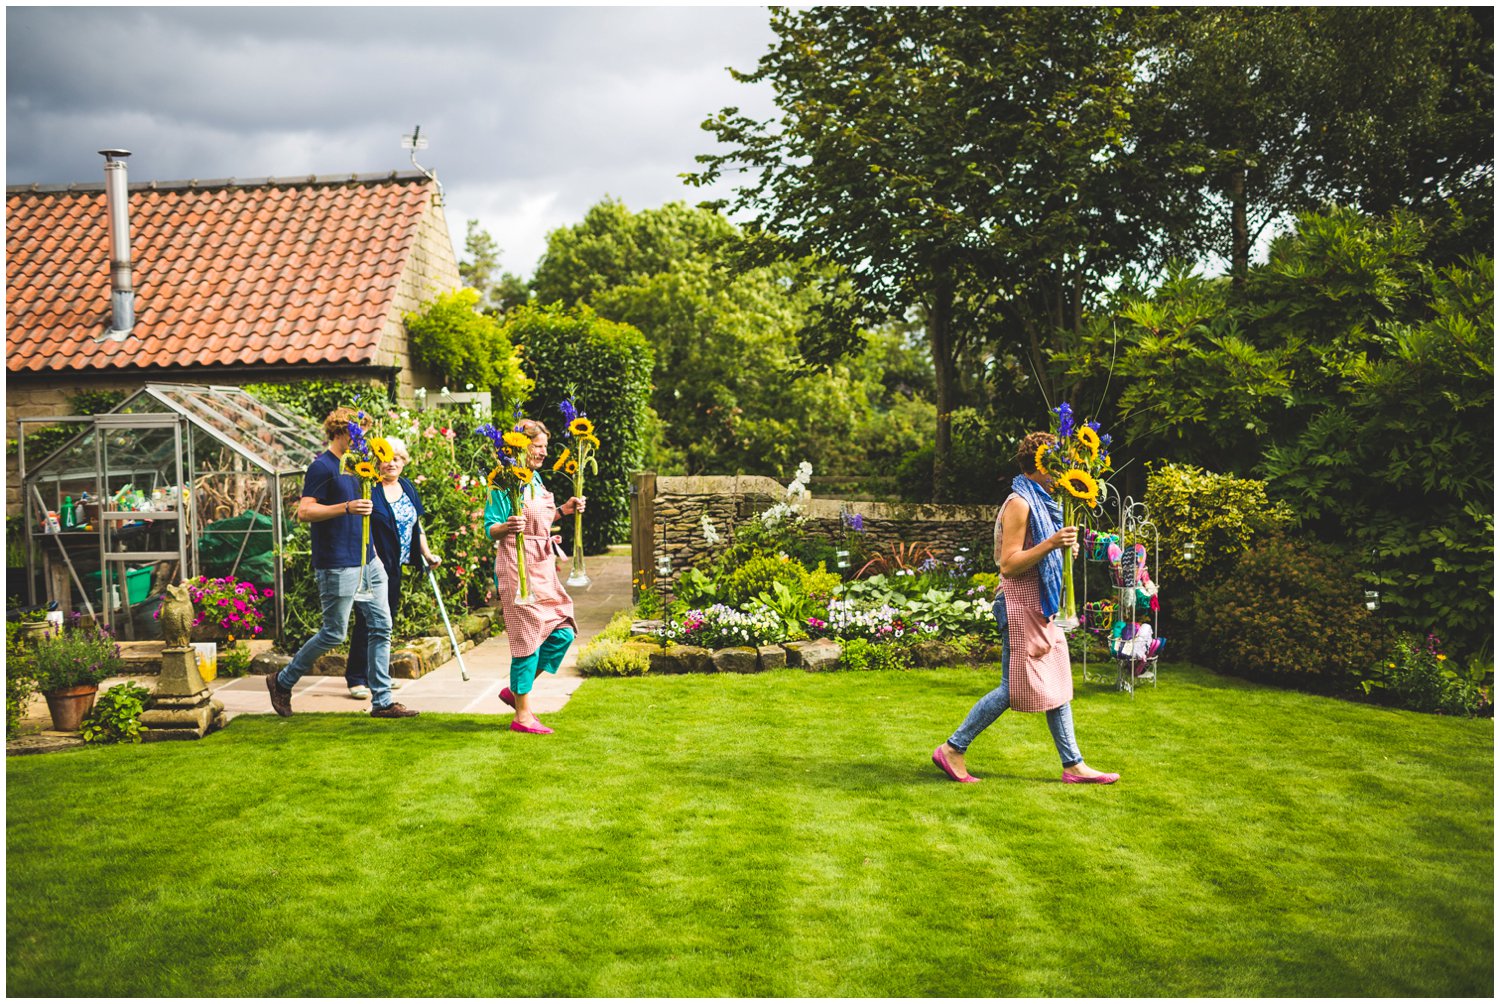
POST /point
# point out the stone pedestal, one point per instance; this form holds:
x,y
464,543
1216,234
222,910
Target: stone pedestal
x,y
181,707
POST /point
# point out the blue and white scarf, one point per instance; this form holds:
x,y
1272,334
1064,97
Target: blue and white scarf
x,y
1044,521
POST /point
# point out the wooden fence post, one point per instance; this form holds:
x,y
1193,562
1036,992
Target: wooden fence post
x,y
642,533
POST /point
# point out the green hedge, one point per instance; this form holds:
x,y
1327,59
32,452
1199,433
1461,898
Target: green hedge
x,y
465,348
1288,608
605,367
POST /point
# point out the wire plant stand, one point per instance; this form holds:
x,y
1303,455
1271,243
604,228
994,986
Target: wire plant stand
x,y
1133,663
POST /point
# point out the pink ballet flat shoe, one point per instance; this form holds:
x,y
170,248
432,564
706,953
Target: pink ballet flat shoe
x,y
941,759
507,696
537,730
1080,779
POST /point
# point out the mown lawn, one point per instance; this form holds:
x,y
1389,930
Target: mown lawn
x,y
780,834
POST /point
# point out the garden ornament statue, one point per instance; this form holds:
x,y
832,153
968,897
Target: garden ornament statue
x,y
181,707
177,617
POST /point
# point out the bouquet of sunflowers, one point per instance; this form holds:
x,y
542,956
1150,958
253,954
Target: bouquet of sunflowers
x,y
575,459
1079,462
363,459
511,475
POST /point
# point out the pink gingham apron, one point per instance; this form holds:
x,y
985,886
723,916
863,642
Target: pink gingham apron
x,y
527,626
1041,677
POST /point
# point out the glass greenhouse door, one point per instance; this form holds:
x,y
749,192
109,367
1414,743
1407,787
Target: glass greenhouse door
x,y
145,520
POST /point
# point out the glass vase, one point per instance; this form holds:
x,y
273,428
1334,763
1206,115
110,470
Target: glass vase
x,y
523,590
1067,611
578,577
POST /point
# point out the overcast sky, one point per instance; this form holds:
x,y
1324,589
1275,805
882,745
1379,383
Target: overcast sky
x,y
533,114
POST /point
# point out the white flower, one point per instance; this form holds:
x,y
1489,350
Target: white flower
x,y
709,533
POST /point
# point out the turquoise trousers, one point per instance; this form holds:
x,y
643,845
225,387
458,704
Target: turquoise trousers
x,y
547,658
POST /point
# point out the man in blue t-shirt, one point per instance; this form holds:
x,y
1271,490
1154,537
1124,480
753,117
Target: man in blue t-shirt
x,y
335,507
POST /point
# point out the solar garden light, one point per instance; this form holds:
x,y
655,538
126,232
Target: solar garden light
x,y
843,562
1372,600
1189,550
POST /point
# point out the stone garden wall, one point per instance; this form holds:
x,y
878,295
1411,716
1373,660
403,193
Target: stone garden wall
x,y
679,504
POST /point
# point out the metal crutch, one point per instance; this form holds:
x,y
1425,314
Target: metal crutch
x,y
447,623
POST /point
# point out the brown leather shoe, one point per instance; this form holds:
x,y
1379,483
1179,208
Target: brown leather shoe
x,y
394,711
281,697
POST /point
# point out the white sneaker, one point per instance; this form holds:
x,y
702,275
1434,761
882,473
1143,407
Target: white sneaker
x,y
397,684
358,692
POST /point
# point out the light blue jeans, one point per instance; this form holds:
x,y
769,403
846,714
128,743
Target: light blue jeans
x,y
336,589
992,705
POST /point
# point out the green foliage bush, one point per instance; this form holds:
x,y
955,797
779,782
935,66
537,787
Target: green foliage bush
x,y
1287,609
606,656
1415,674
116,715
20,677
466,348
234,660
757,575
861,655
605,367
1221,514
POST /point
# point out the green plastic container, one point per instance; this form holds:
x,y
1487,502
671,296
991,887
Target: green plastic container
x,y
137,581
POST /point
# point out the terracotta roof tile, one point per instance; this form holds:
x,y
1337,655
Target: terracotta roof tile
x,y
272,272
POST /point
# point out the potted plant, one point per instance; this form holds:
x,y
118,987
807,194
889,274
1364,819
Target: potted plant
x,y
70,662
33,624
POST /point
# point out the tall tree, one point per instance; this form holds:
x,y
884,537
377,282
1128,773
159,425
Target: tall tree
x,y
727,384
965,164
1279,110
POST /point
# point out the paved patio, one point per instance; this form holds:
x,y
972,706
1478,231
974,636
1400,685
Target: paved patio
x,y
442,690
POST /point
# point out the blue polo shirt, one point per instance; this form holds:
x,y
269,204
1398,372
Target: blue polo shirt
x,y
335,542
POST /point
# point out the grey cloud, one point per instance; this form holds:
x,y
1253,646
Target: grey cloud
x,y
553,105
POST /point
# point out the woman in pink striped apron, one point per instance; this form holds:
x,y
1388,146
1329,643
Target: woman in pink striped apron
x,y
1029,537
541,629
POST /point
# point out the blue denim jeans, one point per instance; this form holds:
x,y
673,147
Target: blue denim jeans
x,y
336,590
992,705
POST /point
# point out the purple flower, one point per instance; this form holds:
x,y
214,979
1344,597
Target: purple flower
x,y
1064,420
855,522
569,412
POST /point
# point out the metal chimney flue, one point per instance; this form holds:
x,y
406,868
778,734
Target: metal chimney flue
x,y
122,283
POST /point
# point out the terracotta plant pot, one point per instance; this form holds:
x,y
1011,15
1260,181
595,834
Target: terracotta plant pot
x,y
70,705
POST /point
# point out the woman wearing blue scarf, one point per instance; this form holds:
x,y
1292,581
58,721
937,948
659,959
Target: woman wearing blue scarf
x,y
1029,538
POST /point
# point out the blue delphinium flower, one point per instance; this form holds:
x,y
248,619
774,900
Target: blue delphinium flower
x,y
1065,420
568,411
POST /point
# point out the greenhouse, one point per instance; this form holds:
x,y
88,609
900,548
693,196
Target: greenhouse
x,y
177,481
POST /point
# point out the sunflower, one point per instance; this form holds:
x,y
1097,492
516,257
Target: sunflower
x,y
382,450
581,426
1088,437
1041,451
1080,485
365,469
517,440
493,481
572,467
591,440
566,453
523,474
